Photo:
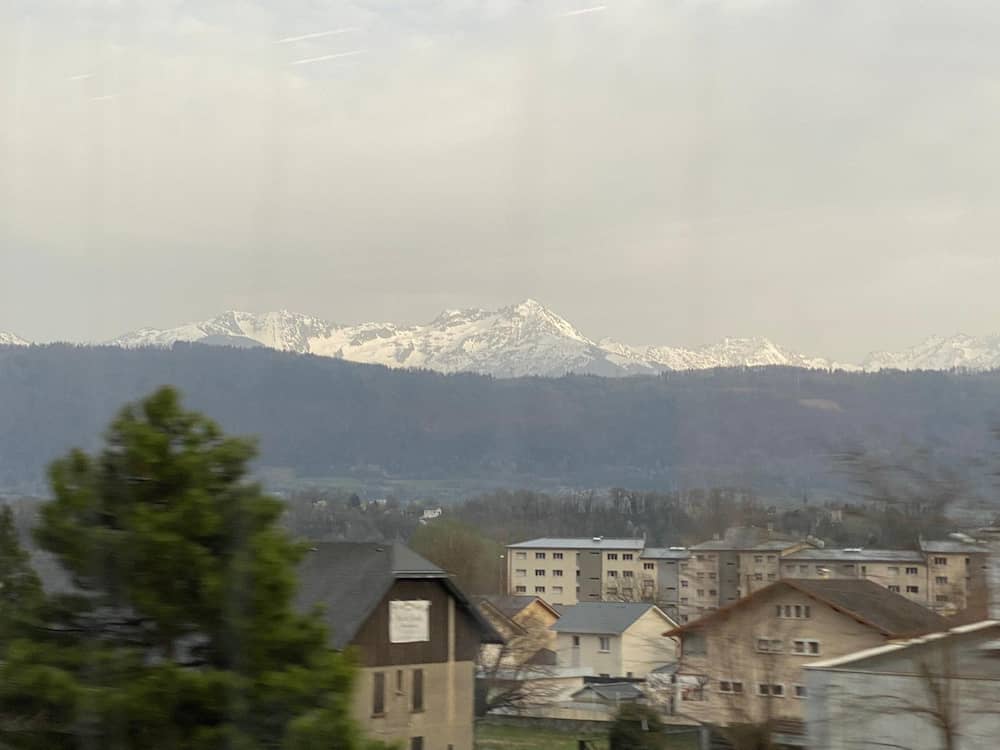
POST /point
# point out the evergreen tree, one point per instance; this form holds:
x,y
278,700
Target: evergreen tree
x,y
180,631
20,589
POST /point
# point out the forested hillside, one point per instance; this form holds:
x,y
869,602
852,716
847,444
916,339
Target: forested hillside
x,y
769,429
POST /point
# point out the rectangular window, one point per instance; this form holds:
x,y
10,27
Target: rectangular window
x,y
893,588
557,555
893,570
803,568
798,611
800,691
912,589
693,644
418,690
612,555
711,576
684,600
539,571
576,641
520,572
911,571
805,647
399,680
758,558
520,555
772,576
775,691
557,573
940,560
699,557
626,556
771,558
700,592
684,583
539,555
731,687
612,574
628,574
605,644
699,575
539,589
416,743
778,691
758,576
557,589
941,580
769,646
378,693
941,598
648,566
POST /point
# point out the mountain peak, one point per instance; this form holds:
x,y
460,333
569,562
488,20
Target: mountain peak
x,y
12,339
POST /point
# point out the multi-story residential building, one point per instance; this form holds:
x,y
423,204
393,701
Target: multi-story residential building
x,y
956,575
614,639
567,571
415,635
720,571
944,576
665,571
743,663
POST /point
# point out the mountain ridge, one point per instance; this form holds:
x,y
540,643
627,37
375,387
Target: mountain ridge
x,y
528,339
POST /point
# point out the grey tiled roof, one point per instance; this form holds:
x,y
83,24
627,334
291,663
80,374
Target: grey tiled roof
x,y
851,555
603,618
613,691
953,547
349,579
665,553
508,606
889,612
558,543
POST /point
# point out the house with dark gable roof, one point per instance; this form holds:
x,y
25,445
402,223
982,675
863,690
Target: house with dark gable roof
x,y
744,663
415,635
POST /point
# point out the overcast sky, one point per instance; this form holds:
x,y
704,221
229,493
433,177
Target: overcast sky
x,y
661,171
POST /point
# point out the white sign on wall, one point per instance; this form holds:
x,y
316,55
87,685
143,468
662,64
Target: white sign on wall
x,y
409,621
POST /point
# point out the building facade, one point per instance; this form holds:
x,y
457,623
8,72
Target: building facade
x,y
614,639
415,636
744,663
567,571
940,691
665,572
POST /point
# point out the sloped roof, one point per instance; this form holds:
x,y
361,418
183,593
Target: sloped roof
x,y
665,553
558,543
855,555
867,602
349,579
947,546
511,606
602,618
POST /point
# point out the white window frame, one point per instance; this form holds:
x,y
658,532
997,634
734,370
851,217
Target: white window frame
x,y
805,647
795,691
769,647
731,684
604,644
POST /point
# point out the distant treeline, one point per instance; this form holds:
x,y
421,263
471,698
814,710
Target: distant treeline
x,y
769,429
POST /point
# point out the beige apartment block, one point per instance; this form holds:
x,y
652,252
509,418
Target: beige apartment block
x,y
744,662
956,575
720,571
567,571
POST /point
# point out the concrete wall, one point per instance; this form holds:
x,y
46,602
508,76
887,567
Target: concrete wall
x,y
589,654
644,648
447,718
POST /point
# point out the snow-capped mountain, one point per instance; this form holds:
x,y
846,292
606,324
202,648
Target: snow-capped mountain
x,y
10,339
527,339
940,353
523,339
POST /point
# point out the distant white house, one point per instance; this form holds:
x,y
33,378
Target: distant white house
x,y
615,639
430,514
938,691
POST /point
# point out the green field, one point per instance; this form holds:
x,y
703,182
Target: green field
x,y
495,737
499,737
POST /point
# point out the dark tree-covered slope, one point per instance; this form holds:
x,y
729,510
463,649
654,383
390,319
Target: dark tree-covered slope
x,y
764,428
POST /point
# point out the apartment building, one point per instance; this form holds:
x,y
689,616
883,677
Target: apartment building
x,y
567,571
415,635
666,571
720,571
744,662
944,576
